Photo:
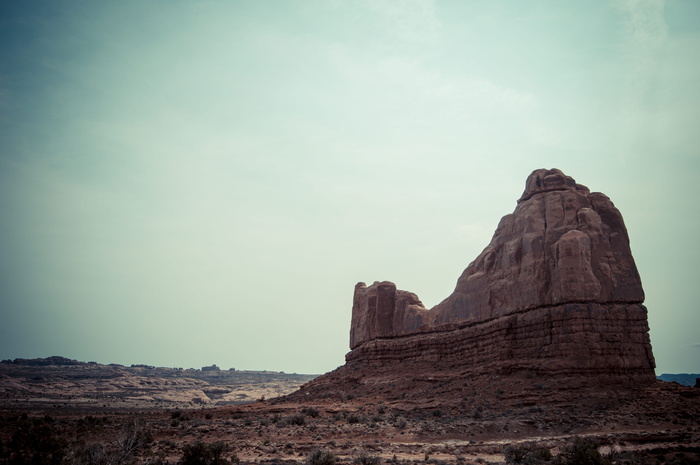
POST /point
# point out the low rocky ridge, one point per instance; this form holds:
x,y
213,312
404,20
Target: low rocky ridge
x,y
61,382
686,379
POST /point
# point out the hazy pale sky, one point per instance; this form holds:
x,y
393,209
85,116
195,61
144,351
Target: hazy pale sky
x,y
193,182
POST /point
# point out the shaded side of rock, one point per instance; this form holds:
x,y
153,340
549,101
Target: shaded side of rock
x,y
381,310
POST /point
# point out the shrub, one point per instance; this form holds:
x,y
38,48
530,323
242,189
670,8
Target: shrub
x,y
298,419
310,411
178,415
354,418
362,457
135,439
527,454
583,451
201,453
35,441
321,457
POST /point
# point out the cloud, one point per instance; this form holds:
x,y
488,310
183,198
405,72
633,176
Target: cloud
x,y
400,80
474,230
410,20
645,35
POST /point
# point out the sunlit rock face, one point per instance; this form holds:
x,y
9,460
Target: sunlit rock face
x,y
561,244
557,282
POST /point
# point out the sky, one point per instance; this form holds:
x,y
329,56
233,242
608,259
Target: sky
x,y
189,183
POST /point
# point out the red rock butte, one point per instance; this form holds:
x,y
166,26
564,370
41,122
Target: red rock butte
x,y
556,291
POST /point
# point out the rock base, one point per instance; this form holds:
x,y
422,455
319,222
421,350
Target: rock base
x,y
605,343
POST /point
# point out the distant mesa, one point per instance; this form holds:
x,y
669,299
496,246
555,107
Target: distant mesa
x,y
686,379
556,292
48,361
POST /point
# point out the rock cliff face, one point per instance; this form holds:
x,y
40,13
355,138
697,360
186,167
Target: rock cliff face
x,y
556,289
381,310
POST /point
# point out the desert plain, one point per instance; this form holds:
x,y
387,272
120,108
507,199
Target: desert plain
x,y
97,413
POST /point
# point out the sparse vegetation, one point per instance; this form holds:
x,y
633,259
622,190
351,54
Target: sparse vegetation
x,y
124,440
36,441
582,451
417,431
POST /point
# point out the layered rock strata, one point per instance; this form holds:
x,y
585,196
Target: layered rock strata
x,y
556,289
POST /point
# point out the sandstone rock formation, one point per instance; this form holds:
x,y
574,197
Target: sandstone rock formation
x,y
556,289
381,310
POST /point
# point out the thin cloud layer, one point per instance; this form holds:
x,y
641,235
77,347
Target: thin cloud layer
x,y
205,184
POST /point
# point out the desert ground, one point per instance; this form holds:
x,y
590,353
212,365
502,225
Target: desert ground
x,y
475,420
